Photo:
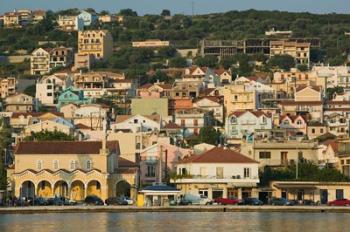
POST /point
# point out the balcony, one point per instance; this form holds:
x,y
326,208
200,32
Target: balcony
x,y
236,180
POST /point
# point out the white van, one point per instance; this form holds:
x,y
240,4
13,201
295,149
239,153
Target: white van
x,y
197,199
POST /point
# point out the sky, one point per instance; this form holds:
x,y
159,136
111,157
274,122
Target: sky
x,y
183,6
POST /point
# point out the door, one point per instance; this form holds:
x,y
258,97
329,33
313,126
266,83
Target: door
x,y
324,196
284,195
219,173
300,195
284,158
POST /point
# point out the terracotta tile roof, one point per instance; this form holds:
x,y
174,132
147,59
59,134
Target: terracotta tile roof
x,y
257,113
338,102
59,170
63,147
218,155
36,114
146,86
82,126
333,143
293,117
220,71
172,125
301,87
165,86
122,162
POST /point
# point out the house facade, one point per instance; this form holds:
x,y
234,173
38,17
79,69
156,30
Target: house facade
x,y
98,43
218,173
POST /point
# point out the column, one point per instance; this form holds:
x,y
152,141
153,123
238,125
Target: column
x,y
239,193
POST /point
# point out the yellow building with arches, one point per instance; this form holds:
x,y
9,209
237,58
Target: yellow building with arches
x,y
72,169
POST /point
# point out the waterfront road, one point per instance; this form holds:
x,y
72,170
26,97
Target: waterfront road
x,y
193,208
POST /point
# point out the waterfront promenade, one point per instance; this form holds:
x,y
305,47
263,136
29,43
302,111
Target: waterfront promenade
x,y
94,209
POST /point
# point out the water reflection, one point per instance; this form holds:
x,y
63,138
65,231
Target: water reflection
x,y
235,221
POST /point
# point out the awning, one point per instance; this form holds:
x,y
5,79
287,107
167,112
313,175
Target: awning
x,y
295,186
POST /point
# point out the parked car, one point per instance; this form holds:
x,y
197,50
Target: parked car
x,y
116,201
339,202
251,201
197,199
226,201
93,200
184,202
281,201
309,202
40,201
128,200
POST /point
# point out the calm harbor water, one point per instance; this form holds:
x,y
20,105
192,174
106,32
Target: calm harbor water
x,y
155,222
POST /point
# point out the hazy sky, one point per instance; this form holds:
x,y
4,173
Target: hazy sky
x,y
183,6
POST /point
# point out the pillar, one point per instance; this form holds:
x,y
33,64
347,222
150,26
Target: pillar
x,y
239,193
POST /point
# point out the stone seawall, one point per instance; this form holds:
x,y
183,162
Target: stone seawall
x,y
121,209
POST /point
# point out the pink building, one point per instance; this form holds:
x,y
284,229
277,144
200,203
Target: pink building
x,y
149,165
295,125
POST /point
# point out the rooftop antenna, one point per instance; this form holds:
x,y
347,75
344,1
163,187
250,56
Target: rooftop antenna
x,y
192,3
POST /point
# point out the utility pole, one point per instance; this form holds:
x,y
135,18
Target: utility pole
x,y
192,4
160,164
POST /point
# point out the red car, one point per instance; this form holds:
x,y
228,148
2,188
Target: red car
x,y
339,202
226,201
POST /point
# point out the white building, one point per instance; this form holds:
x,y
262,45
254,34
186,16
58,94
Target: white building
x,y
49,87
333,75
242,124
211,104
218,173
137,123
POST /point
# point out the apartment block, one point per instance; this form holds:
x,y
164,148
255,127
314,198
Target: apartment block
x,y
98,43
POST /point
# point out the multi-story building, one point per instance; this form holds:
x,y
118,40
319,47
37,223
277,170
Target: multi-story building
x,y
48,88
70,23
98,43
186,89
61,57
273,152
19,103
307,101
40,62
7,86
192,120
218,173
212,104
243,124
17,18
238,97
299,51
88,18
332,76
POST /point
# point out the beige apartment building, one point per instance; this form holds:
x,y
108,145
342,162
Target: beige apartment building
x,y
238,97
300,51
40,62
19,103
8,86
98,43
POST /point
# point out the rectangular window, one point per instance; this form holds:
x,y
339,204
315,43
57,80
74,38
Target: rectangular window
x,y
182,122
151,171
219,172
265,155
246,172
339,194
203,171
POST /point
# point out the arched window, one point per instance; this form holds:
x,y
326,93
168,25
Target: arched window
x,y
39,164
233,120
299,122
89,165
56,165
73,164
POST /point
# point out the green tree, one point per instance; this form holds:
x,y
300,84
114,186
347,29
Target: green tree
x,y
285,62
30,90
207,61
178,62
49,136
159,76
331,91
209,135
128,12
5,141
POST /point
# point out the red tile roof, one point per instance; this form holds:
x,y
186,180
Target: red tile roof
x,y
301,87
257,113
172,125
36,114
333,143
218,155
122,163
63,147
